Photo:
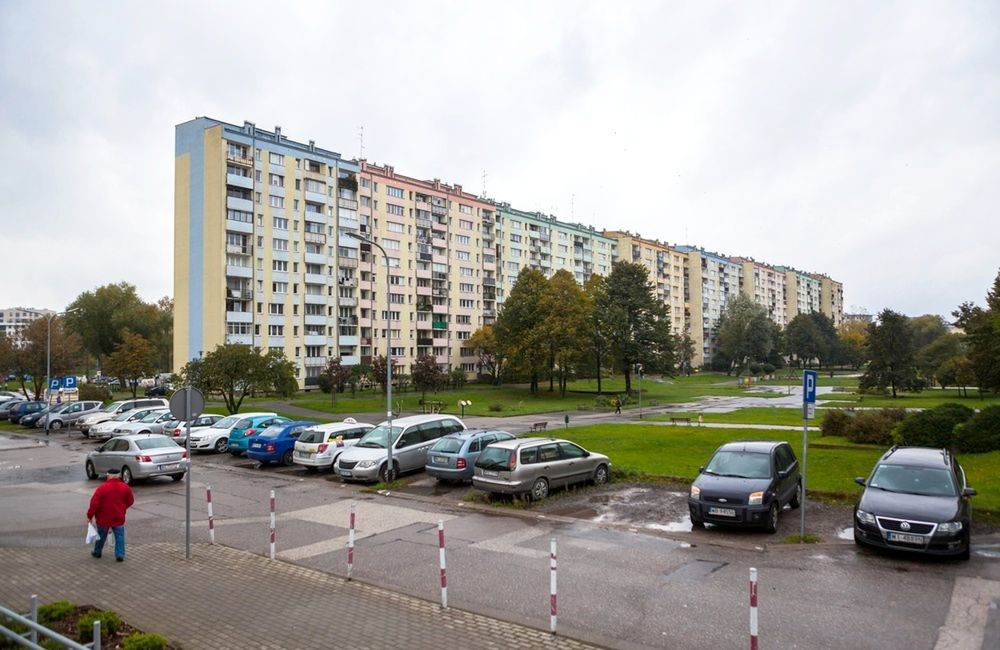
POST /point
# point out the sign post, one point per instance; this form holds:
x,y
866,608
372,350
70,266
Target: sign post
x,y
808,412
184,405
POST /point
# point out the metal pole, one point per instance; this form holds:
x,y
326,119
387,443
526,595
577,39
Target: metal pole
x,y
48,366
753,609
802,505
33,636
187,482
97,635
211,517
640,392
552,585
272,524
444,576
350,546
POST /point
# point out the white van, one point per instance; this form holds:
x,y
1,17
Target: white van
x,y
114,408
411,437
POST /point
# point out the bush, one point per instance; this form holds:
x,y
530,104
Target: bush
x,y
144,641
324,383
94,392
56,611
496,407
835,422
932,428
874,427
981,433
85,626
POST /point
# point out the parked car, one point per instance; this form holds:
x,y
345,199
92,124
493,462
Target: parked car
x,y
216,437
152,422
138,456
177,429
916,499
746,483
24,408
320,445
411,437
6,407
453,457
249,426
534,466
276,443
29,419
114,408
68,416
107,429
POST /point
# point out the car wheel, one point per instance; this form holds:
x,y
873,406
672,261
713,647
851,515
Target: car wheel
x,y
177,477
601,475
797,497
222,445
771,526
386,475
91,472
697,523
286,458
86,434
55,425
126,475
540,489
967,551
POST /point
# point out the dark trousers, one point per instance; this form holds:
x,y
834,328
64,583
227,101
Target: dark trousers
x,y
102,536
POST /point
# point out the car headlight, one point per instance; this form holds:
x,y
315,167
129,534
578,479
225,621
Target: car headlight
x,y
866,517
950,527
366,463
756,498
695,492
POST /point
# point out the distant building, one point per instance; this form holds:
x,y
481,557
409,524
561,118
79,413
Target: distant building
x,y
15,319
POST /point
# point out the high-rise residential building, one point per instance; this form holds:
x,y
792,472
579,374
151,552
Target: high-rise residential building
x,y
15,319
668,272
802,292
259,231
831,299
716,279
766,285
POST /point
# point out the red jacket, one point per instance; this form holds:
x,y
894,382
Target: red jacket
x,y
109,503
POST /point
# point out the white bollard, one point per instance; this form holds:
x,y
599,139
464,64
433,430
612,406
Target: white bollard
x,y
272,524
444,577
211,519
350,545
552,585
753,609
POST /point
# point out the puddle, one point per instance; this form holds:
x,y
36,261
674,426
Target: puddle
x,y
982,552
679,526
846,533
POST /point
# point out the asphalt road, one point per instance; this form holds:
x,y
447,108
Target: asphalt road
x,y
618,586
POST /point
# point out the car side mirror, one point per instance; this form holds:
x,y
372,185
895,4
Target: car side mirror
x,y
860,480
701,470
969,492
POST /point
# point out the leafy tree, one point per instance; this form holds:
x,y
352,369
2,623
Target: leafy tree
x,y
235,371
803,340
334,377
636,322
491,359
564,306
518,328
684,351
890,354
982,335
927,329
596,334
851,337
744,333
456,378
28,352
132,360
426,375
930,357
378,371
360,374
958,372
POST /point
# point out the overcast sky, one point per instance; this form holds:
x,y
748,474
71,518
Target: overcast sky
x,y
858,139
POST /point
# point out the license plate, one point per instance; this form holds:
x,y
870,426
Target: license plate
x,y
906,539
256,445
490,472
439,460
722,512
170,466
303,454
345,472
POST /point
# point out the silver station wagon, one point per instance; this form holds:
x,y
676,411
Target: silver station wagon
x,y
533,466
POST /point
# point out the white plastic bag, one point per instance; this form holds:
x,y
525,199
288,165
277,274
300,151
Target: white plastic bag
x,y
91,533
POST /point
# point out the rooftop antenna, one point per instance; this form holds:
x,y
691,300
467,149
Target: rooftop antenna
x,y
361,142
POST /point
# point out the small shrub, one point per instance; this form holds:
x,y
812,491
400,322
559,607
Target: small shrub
x,y
981,433
932,428
835,422
85,626
94,392
874,427
144,641
51,644
56,611
496,407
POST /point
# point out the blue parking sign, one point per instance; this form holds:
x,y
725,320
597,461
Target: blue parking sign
x,y
54,383
69,382
809,387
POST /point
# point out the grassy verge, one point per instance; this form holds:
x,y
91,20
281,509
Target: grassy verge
x,y
754,415
922,400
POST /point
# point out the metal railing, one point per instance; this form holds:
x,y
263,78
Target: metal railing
x,y
29,639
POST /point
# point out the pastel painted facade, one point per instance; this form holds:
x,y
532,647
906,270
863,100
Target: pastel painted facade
x,y
802,292
716,279
831,301
766,285
15,319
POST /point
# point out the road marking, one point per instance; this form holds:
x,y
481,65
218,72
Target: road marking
x,y
965,626
508,542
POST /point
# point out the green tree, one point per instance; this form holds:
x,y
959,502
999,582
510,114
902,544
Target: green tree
x,y
957,372
890,354
426,375
378,371
518,328
744,334
564,306
131,360
636,322
851,337
982,335
456,378
334,377
596,334
931,356
491,359
234,371
684,351
803,340
927,329
29,352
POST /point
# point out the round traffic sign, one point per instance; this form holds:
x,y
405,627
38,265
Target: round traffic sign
x,y
179,403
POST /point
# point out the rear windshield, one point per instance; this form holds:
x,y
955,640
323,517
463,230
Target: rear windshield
x,y
112,407
925,481
272,431
155,443
740,464
312,435
448,445
226,422
494,458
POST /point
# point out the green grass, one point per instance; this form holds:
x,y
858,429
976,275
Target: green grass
x,y
922,400
832,463
754,415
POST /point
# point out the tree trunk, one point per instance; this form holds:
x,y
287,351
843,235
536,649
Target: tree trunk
x,y
598,373
628,382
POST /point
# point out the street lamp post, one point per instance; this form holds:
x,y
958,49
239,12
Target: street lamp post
x,y
48,359
390,473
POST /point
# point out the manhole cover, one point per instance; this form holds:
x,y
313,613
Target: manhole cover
x,y
694,571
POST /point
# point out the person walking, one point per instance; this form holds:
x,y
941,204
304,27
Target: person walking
x,y
618,406
107,511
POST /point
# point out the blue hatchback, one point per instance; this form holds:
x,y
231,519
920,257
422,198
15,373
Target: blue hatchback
x,y
276,444
240,434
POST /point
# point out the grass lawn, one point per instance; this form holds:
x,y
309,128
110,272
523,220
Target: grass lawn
x,y
924,399
755,415
832,464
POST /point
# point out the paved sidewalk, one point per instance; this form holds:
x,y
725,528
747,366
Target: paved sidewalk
x,y
228,599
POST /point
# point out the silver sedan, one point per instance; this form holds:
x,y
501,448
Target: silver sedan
x,y
138,456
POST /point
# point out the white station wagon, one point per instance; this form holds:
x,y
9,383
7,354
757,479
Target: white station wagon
x,y
321,445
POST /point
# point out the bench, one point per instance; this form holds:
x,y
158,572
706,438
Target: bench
x,y
539,426
679,420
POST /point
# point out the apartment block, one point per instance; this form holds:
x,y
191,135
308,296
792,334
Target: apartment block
x,y
831,299
15,319
715,279
668,272
766,286
259,239
802,292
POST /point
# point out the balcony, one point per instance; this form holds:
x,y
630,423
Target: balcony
x,y
233,203
314,339
315,197
347,204
315,299
314,238
424,291
315,217
439,210
314,319
439,325
239,271
239,317
239,249
347,301
239,181
347,262
239,339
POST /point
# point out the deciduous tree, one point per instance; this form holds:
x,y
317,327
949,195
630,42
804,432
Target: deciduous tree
x,y
518,328
234,371
131,360
982,335
491,359
744,333
426,375
890,353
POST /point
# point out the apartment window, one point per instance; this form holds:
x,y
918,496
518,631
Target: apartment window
x,y
396,280
392,226
391,244
513,267
240,215
515,253
276,308
462,255
397,298
276,158
463,319
393,191
279,287
465,287
395,209
280,223
366,182
465,209
462,336
465,272
515,225
276,330
275,180
462,239
315,186
237,150
515,239
280,244
466,304
276,201
366,202
237,328
464,224
279,265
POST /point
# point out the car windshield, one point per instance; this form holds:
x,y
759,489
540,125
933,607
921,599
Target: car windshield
x,y
448,445
925,481
494,458
272,431
121,417
740,464
151,417
377,437
155,443
226,422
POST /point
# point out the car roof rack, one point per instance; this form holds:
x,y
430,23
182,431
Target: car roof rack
x,y
891,451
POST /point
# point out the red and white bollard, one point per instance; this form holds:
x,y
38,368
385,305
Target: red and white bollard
x,y
753,609
552,585
444,576
350,545
211,519
272,524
